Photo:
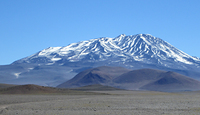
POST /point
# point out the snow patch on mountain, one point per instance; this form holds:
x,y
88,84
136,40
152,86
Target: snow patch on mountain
x,y
17,74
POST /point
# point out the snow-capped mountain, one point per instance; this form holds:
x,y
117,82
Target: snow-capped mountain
x,y
55,65
123,49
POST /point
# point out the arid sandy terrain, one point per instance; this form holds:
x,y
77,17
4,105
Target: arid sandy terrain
x,y
117,103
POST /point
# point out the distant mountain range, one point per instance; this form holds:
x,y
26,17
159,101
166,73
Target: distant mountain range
x,y
55,65
142,79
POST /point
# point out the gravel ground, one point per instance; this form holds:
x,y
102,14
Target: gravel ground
x,y
118,103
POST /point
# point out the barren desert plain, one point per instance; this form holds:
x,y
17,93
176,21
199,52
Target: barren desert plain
x,y
117,102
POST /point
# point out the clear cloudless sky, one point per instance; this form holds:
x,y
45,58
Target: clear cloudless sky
x,y
28,26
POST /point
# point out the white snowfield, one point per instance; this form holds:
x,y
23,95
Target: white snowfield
x,y
140,47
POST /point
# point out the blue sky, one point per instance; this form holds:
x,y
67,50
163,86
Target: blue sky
x,y
28,26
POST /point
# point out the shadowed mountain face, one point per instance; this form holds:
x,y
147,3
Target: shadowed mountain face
x,y
142,79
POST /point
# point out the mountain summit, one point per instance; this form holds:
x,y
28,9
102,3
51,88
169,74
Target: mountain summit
x,y
126,50
54,65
